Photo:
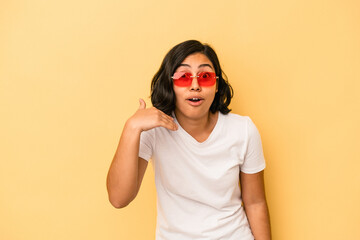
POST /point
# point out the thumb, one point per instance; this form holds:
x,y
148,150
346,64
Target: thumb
x,y
142,104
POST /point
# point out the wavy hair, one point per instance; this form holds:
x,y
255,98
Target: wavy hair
x,y
162,92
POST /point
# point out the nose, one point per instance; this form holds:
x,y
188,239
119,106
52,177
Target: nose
x,y
195,85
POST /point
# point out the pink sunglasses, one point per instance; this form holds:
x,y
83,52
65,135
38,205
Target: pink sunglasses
x,y
184,79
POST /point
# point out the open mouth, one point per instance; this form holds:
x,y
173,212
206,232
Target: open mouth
x,y
194,99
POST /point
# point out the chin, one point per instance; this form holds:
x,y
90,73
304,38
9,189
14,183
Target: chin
x,y
193,113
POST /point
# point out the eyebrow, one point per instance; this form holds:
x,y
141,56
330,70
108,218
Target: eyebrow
x,y
200,66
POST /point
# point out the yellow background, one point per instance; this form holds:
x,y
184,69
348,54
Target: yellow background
x,y
71,73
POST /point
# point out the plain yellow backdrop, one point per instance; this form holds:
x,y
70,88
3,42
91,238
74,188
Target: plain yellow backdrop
x,y
71,73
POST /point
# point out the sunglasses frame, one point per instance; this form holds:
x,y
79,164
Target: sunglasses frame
x,y
192,77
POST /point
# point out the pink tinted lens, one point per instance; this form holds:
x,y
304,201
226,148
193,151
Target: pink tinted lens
x,y
184,79
207,79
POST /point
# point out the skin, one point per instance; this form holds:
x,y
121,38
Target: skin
x,y
253,196
198,121
127,169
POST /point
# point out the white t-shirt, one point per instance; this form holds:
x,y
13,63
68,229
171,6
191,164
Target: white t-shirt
x,y
197,184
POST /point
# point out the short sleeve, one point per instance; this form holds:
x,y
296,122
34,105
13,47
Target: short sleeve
x,y
146,144
254,160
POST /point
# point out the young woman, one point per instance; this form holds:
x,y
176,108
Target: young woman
x,y
200,152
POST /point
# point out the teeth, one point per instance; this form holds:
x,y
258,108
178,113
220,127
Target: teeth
x,y
195,99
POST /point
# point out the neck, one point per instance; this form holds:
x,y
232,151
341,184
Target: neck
x,y
198,127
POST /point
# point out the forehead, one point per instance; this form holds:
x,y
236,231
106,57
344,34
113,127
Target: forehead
x,y
197,60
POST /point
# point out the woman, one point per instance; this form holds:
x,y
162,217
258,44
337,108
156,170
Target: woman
x,y
199,151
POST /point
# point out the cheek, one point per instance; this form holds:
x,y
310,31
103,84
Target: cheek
x,y
212,91
179,92
211,96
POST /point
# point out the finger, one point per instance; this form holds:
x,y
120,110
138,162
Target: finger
x,y
170,127
162,113
165,115
168,120
169,124
142,104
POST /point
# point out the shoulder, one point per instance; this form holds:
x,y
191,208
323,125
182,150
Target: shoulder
x,y
148,132
235,125
239,123
148,135
236,119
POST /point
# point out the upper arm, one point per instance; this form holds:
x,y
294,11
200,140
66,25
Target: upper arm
x,y
252,187
142,165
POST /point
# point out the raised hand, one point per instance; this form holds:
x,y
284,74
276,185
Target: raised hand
x,y
147,118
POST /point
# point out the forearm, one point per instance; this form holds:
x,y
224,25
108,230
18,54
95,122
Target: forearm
x,y
123,173
258,216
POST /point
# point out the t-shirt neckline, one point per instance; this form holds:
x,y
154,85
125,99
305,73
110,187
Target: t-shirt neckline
x,y
190,138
